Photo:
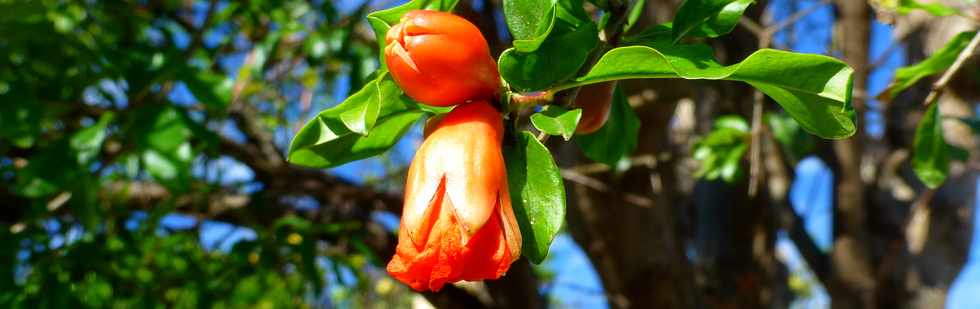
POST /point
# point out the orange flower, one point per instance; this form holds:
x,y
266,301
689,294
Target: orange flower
x,y
457,223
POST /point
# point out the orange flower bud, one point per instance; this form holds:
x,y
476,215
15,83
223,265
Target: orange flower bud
x,y
595,101
440,59
457,223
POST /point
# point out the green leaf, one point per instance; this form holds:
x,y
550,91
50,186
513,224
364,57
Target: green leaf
x,y
634,15
617,138
722,22
526,24
710,18
934,8
213,90
796,143
368,123
559,58
555,120
930,158
20,118
732,122
537,194
936,63
87,142
162,134
721,151
360,111
814,89
383,20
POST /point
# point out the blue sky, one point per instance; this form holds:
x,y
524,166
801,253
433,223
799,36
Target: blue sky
x,y
576,284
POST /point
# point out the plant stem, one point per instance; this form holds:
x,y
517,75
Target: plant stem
x,y
940,85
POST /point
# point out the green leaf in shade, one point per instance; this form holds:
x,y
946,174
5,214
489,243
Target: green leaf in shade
x,y
709,18
20,118
721,151
162,134
87,142
795,141
368,123
555,120
213,90
383,20
536,193
559,58
930,158
958,153
814,89
936,63
634,15
617,138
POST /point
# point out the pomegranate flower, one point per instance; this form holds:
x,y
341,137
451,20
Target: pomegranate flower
x,y
457,222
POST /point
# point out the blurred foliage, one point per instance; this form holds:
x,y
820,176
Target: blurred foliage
x,y
114,114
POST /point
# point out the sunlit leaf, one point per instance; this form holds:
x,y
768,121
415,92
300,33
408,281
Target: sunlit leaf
x,y
936,63
555,120
814,89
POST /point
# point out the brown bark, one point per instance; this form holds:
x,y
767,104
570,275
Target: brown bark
x,y
853,283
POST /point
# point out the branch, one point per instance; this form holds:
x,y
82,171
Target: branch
x,y
940,85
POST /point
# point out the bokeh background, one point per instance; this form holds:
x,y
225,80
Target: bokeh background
x,y
142,165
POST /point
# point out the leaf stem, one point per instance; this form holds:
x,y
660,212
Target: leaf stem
x,y
532,98
940,85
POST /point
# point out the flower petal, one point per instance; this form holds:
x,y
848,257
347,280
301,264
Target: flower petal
x,y
512,231
424,184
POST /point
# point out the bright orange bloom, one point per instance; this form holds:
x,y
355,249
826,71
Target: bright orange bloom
x,y
440,59
457,223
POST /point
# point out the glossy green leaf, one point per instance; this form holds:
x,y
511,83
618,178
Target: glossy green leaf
x,y
536,192
617,138
814,89
383,20
930,156
559,58
529,21
555,120
936,63
87,142
723,21
368,123
709,18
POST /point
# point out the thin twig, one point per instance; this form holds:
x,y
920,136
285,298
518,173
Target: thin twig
x,y
940,84
755,149
755,146
595,184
